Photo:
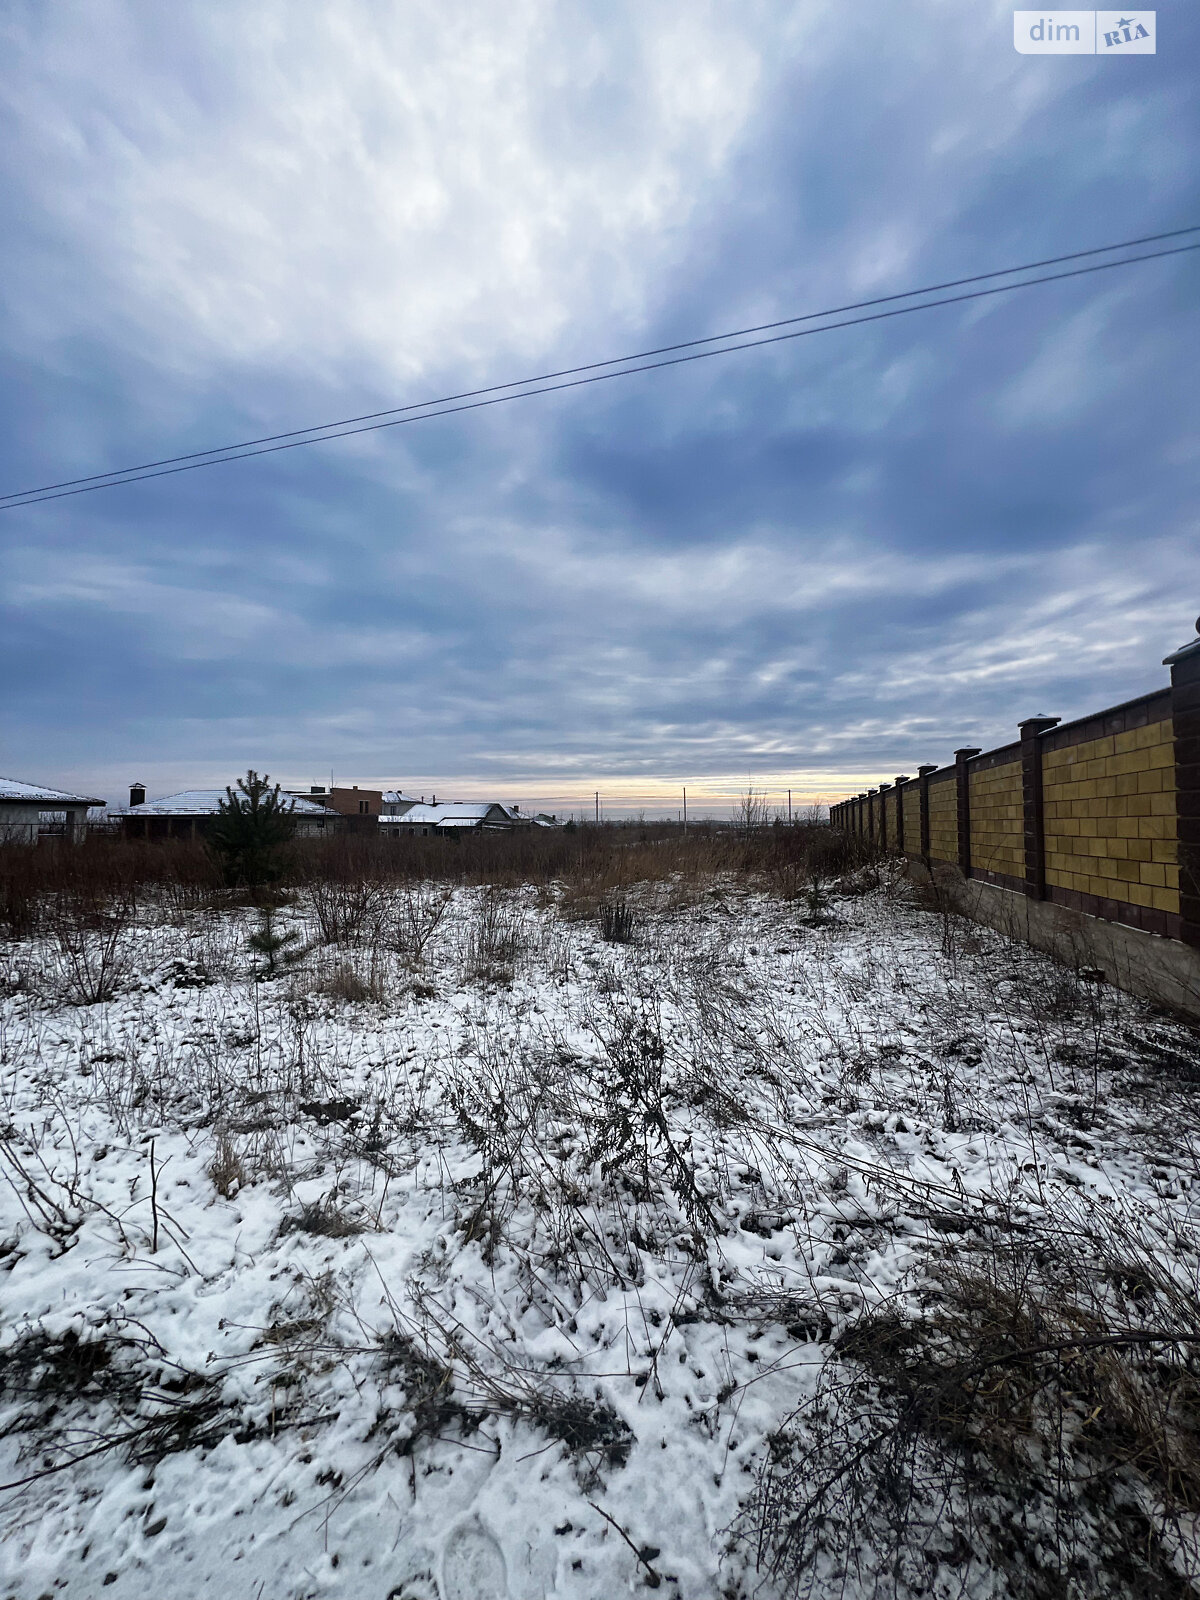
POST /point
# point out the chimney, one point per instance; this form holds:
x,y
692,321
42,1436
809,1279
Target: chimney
x,y
137,794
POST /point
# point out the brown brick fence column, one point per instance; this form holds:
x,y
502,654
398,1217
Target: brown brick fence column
x,y
883,827
900,782
923,779
962,784
1185,714
1031,796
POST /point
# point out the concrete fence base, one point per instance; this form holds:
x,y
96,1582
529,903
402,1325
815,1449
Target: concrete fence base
x,y
1155,968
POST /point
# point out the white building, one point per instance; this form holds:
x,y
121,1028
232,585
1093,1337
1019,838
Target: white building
x,y
27,810
473,816
396,803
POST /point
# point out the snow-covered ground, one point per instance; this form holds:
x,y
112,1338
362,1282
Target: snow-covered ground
x,y
512,1277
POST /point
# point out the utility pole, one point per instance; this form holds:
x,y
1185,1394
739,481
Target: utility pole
x,y
789,805
597,807
685,809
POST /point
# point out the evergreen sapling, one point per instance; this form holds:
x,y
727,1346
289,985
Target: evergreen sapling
x,y
253,829
275,946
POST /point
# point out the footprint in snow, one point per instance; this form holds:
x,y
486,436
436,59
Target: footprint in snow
x,y
473,1566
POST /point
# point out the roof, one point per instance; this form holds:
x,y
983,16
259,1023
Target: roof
x,y
34,794
207,802
459,815
397,797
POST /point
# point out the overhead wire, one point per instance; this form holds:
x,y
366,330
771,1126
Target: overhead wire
x,y
478,399
319,428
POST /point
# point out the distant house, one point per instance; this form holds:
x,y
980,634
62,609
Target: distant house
x,y
355,802
29,812
391,813
396,802
360,807
190,814
480,816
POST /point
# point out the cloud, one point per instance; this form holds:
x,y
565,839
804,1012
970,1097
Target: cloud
x,y
394,190
841,555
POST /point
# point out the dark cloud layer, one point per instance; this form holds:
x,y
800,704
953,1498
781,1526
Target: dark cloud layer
x,y
815,563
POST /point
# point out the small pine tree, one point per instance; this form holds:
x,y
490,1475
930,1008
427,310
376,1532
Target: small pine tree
x,y
252,831
267,941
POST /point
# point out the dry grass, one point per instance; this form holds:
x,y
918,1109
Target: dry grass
x,y
497,938
1027,1405
345,983
329,1217
344,874
226,1169
90,944
617,922
1037,1413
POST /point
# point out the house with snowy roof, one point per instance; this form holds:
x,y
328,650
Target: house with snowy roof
x,y
190,813
356,802
396,802
28,811
360,808
472,816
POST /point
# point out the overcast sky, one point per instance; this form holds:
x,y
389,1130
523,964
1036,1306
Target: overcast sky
x,y
813,565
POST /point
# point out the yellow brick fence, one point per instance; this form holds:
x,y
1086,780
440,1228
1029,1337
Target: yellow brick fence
x,y
1101,815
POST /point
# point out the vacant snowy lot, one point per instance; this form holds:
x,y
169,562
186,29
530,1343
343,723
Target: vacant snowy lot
x,y
451,1249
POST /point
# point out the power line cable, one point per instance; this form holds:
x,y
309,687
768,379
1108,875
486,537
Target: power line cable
x,y
401,415
320,428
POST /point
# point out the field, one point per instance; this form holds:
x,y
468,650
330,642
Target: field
x,y
715,1215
